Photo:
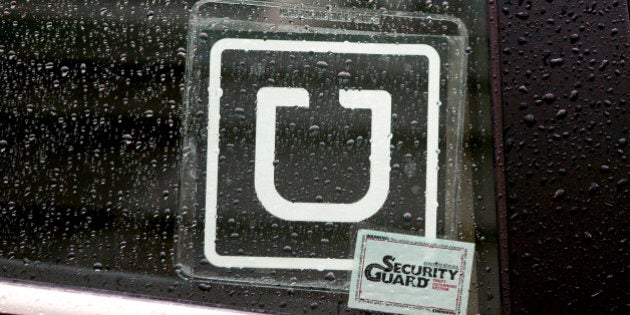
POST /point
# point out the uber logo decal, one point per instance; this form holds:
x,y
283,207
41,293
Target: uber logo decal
x,y
272,97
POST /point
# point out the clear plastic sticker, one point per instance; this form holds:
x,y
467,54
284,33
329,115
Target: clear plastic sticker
x,y
304,125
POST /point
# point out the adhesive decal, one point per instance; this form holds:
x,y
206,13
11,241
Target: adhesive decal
x,y
304,124
271,100
410,274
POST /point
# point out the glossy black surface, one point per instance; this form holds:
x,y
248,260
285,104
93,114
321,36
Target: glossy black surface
x,y
565,93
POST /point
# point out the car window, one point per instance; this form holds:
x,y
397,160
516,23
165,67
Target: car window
x,y
121,174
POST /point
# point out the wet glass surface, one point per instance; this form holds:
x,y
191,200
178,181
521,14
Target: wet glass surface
x,y
90,139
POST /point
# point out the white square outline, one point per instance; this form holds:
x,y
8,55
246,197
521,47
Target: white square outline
x,y
214,100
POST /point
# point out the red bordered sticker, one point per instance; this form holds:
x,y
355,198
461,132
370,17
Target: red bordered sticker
x,y
410,274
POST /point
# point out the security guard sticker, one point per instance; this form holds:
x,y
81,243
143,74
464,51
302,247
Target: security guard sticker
x,y
410,274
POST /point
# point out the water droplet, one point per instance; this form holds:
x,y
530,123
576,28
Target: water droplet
x,y
181,52
127,138
359,140
407,216
204,287
549,98
313,130
330,276
344,77
561,114
556,61
97,266
529,120
559,194
322,64
523,15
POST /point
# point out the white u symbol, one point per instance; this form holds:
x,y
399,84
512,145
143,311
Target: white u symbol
x,y
378,101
